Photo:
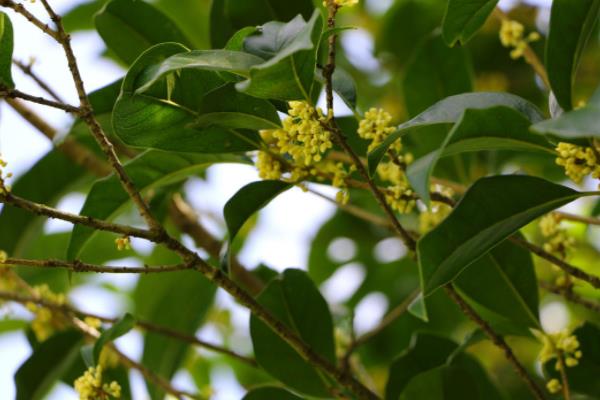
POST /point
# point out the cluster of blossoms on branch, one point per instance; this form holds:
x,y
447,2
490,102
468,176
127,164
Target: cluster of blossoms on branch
x,y
578,161
564,347
557,240
512,36
90,386
46,321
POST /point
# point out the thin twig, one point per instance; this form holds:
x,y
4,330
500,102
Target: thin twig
x,y
78,266
87,115
328,72
576,218
568,268
571,296
17,94
40,209
392,316
497,340
146,325
28,70
77,152
563,375
20,9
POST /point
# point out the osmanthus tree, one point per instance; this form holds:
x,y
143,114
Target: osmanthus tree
x,y
467,189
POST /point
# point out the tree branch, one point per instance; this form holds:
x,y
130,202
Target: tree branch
x,y
87,114
14,94
328,72
41,209
497,340
28,70
571,296
20,9
146,325
78,266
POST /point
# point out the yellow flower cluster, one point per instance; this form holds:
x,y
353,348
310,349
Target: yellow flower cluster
x,y
45,321
375,126
90,386
268,166
557,240
512,35
3,256
564,342
578,161
399,195
4,188
123,243
340,3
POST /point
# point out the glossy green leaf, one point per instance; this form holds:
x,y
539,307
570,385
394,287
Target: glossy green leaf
x,y
291,53
248,200
6,51
129,27
510,202
162,97
418,18
495,128
228,16
581,123
152,169
449,111
156,297
81,16
296,302
434,367
270,393
464,18
119,328
49,361
571,25
506,273
435,72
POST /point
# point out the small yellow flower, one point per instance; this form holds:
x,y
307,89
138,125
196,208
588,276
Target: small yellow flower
x,y
4,188
123,243
3,257
92,322
554,386
375,126
512,35
46,322
577,161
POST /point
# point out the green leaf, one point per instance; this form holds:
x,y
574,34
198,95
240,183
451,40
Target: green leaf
x,y
492,209
119,328
270,393
464,18
426,352
45,182
344,85
296,302
506,273
228,16
179,300
249,200
6,51
571,25
129,27
418,18
49,361
81,16
495,128
291,53
162,97
449,111
581,123
434,367
435,72
152,169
